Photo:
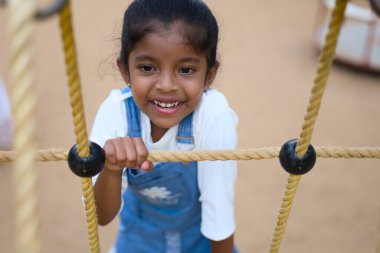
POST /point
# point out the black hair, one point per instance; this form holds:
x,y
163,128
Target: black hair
x,y
199,26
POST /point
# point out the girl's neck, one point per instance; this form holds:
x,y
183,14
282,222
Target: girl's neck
x,y
157,132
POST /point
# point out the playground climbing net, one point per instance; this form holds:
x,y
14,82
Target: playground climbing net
x,y
293,155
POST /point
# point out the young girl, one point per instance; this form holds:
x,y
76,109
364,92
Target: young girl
x,y
168,61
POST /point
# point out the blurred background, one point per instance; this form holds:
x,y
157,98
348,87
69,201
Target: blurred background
x,y
268,53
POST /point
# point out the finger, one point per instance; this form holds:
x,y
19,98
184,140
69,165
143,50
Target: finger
x,y
112,167
131,152
141,151
147,166
110,151
121,154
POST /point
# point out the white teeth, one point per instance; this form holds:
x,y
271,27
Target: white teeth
x,y
166,105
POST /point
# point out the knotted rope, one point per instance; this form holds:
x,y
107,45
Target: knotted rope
x,y
79,122
325,61
23,100
214,155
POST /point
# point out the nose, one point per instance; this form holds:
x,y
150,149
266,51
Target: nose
x,y
167,82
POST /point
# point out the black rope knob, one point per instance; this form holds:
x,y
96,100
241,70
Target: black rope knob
x,y
86,166
294,164
46,12
50,10
375,4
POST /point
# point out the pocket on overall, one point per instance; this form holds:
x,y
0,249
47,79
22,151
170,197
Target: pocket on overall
x,y
128,212
169,191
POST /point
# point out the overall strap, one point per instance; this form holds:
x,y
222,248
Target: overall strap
x,y
133,115
185,130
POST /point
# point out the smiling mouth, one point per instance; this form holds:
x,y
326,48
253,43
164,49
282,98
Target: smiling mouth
x,y
167,105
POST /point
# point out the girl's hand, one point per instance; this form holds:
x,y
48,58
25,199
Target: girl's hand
x,y
126,152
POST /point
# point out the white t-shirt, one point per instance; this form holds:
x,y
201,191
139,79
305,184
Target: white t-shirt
x,y
214,128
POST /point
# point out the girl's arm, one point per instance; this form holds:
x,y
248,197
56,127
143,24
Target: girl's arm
x,y
120,153
223,246
107,192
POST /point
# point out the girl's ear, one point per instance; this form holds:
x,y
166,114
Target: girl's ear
x,y
123,70
211,74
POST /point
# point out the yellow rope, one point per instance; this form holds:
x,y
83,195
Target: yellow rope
x,y
23,100
214,155
79,122
323,70
22,75
325,60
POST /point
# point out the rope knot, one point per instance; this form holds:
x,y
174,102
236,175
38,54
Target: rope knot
x,y
293,163
86,166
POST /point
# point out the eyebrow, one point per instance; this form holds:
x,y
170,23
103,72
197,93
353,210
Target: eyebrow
x,y
144,58
182,60
189,59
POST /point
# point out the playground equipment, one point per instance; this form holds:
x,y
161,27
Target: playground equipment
x,y
359,39
297,157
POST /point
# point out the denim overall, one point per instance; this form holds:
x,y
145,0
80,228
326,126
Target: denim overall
x,y
161,211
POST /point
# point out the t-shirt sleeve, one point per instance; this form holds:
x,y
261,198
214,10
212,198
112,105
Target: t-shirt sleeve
x,y
216,179
110,120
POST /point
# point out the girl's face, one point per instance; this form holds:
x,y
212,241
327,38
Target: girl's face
x,y
167,78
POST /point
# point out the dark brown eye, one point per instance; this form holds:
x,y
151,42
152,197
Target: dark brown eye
x,y
186,70
147,68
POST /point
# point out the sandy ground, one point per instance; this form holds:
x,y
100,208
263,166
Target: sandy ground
x,y
267,67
